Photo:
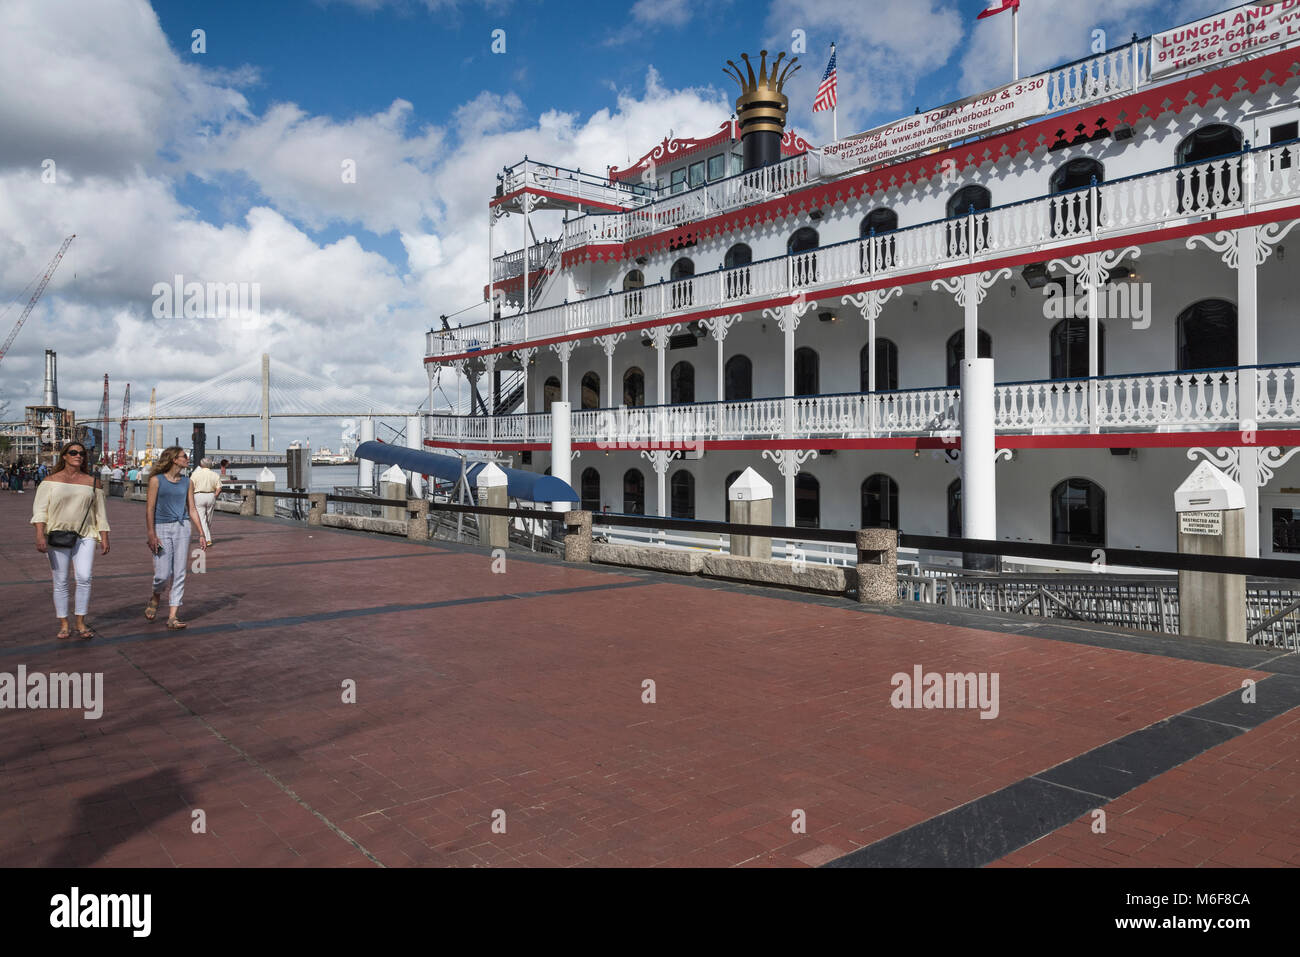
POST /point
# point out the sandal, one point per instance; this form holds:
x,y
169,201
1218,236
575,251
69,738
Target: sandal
x,y
64,633
175,624
151,609
86,633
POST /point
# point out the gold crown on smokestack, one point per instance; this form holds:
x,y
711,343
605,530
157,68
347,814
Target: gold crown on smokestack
x,y
761,105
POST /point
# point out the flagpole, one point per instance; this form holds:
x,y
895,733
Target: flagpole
x,y
1015,41
835,120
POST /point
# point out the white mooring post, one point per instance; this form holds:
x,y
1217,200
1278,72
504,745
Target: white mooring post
x,y
490,484
266,503
750,497
561,449
393,485
1211,521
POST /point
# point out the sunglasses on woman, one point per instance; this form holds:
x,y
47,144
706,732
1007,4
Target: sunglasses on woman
x,y
77,452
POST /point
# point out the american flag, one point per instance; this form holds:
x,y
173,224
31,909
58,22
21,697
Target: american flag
x,y
826,92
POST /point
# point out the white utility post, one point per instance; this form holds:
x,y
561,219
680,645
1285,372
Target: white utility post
x,y
561,449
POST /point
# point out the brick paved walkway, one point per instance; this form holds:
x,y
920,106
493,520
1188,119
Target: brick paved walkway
x,y
479,693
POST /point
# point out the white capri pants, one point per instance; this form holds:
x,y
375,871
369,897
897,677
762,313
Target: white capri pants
x,y
206,503
81,558
175,540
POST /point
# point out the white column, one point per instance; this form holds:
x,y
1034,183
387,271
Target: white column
x,y
523,201
415,440
978,475
561,448
525,360
365,467
607,344
717,327
564,350
489,366
871,304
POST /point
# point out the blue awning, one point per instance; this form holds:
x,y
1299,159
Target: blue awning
x,y
526,486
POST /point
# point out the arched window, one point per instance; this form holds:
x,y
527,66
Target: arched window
x,y
803,268
682,383
957,353
738,255
591,391
807,501
684,294
1216,177
1069,349
881,220
739,375
954,508
879,502
737,283
633,387
726,496
960,204
886,366
1072,214
682,497
1207,335
590,490
634,300
551,393
880,253
1078,513
806,371
633,492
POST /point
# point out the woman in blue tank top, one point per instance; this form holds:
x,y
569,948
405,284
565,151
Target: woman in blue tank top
x,y
168,513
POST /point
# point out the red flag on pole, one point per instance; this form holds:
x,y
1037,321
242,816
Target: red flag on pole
x,y
997,6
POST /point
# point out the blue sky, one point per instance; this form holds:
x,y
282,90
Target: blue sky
x,y
224,166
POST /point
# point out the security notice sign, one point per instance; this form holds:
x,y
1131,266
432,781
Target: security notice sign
x,y
1224,36
1012,103
1200,523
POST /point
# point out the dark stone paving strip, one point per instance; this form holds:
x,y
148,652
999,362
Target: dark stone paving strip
x,y
993,826
414,553
253,762
290,621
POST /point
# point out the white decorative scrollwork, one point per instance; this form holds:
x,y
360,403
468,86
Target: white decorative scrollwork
x,y
718,325
660,335
1004,454
659,459
525,355
607,343
574,453
564,349
778,315
961,287
530,201
800,306
1093,269
788,461
872,302
1224,459
1228,242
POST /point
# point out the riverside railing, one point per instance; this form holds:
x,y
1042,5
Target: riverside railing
x,y
1238,183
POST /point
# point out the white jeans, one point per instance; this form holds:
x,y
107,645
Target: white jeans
x,y
81,558
170,565
206,503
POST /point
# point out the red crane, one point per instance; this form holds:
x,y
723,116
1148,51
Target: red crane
x,y
31,303
126,417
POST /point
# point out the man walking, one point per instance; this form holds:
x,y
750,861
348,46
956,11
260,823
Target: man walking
x,y
207,484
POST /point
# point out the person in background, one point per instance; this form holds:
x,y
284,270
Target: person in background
x,y
207,484
168,513
71,500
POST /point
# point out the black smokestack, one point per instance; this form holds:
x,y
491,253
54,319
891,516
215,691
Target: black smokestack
x,y
761,108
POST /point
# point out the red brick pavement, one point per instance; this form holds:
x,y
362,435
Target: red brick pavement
x,y
533,706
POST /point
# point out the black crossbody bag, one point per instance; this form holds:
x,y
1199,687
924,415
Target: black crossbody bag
x,y
67,539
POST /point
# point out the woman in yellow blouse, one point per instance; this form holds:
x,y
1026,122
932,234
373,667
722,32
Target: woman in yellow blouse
x,y
70,499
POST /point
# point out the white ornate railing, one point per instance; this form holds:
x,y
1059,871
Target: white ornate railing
x,y
1130,403
1188,193
571,183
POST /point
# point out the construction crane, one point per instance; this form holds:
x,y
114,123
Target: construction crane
x,y
31,303
121,440
149,450
102,418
